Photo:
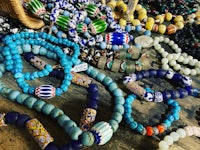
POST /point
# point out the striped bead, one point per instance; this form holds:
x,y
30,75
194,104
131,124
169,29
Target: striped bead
x,y
45,91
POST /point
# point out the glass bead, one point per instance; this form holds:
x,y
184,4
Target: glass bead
x,y
181,133
22,119
175,136
11,117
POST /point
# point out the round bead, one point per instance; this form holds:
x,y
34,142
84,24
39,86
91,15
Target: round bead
x,y
181,132
87,138
169,140
11,117
163,145
168,16
175,136
22,119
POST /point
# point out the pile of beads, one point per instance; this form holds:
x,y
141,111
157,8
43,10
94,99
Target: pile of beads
x,y
187,89
179,134
173,59
149,130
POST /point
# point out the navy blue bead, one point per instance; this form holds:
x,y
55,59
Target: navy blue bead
x,y
94,96
97,137
67,147
189,89
174,94
93,88
11,117
183,92
177,77
92,104
152,73
53,73
22,119
51,146
60,75
28,56
161,73
145,73
166,95
77,145
139,75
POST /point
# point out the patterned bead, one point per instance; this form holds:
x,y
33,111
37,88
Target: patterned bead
x,y
92,10
37,130
81,28
102,132
118,38
45,91
98,26
87,118
171,29
2,121
36,7
62,22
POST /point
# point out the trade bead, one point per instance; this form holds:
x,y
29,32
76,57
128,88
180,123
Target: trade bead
x,y
11,117
87,138
47,108
30,102
75,132
114,124
62,119
56,112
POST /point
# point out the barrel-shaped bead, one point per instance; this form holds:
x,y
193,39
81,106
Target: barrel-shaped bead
x,y
45,91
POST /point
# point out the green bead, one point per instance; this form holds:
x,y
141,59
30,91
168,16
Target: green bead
x,y
75,132
117,92
38,105
30,102
107,80
62,119
114,124
117,116
98,26
62,22
112,86
36,7
119,108
81,28
21,98
47,108
5,92
119,100
92,10
87,138
56,112
13,95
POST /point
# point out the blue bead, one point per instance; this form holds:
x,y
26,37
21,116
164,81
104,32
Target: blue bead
x,y
140,128
138,28
100,77
11,117
161,73
128,28
67,147
115,47
170,118
92,104
126,46
26,48
177,77
94,73
167,122
183,92
87,20
13,95
77,145
92,88
52,146
139,76
94,96
166,95
66,13
189,89
133,125
59,91
147,32
103,45
22,119
145,73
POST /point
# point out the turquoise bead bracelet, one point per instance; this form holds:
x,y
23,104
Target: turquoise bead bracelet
x,y
148,130
16,44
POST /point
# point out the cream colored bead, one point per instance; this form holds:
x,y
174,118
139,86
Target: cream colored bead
x,y
180,59
163,145
171,42
166,40
157,39
190,58
186,61
165,66
164,60
193,72
161,38
164,54
197,65
170,56
178,50
177,67
175,136
157,47
184,54
174,46
161,50
186,71
176,56
155,43
193,62
172,62
169,140
181,132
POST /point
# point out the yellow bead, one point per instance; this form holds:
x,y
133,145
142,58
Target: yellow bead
x,y
168,16
160,19
112,4
122,22
179,25
150,19
138,7
162,28
178,18
142,11
197,15
130,18
136,22
142,17
149,25
118,3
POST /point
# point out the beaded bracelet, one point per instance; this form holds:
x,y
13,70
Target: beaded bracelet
x,y
175,58
149,130
187,89
179,134
11,53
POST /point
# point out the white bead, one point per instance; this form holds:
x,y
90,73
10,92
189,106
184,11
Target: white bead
x,y
171,42
164,60
180,59
163,145
157,39
169,56
184,54
178,50
193,72
161,50
164,54
155,43
197,65
188,130
169,140
170,74
172,62
181,132
191,21
174,136
175,56
186,61
175,46
157,47
186,71
193,62
197,70
190,57
177,67
166,40
165,66
161,38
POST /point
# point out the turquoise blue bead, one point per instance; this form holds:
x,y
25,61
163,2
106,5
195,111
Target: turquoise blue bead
x,y
69,124
176,116
114,124
175,103
112,86
47,108
129,120
128,110
140,128
20,50
133,125
170,101
1,74
119,100
119,108
13,95
106,81
62,119
87,138
117,92
35,49
5,92
94,73
90,68
75,132
100,77
30,102
167,122
43,51
127,115
38,105
117,116
56,112
21,98
26,48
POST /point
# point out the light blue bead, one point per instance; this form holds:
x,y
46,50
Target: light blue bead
x,y
106,81
87,20
170,101
5,92
47,108
170,117
59,34
66,13
175,103
117,116
138,45
119,108
30,102
35,49
59,91
13,95
112,86
119,100
94,73
115,47
127,115
129,120
167,122
48,68
147,32
26,48
43,51
56,112
126,46
128,110
114,124
103,45
90,68
62,119
117,92
176,116
138,28
100,77
74,133
21,98
128,28
87,138
69,124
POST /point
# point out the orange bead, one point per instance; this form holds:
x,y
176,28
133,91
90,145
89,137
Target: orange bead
x,y
155,28
171,29
149,130
161,128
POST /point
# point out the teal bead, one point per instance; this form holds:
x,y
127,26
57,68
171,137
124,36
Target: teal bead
x,y
62,119
13,95
56,112
30,102
94,73
68,125
35,49
129,120
21,98
140,128
20,50
117,116
75,132
114,124
26,48
100,77
133,125
119,100
43,51
38,105
2,68
119,108
47,108
176,116
112,86
1,74
90,68
87,138
5,92
117,92
107,80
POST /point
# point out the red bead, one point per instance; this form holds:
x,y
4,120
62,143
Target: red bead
x,y
149,130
